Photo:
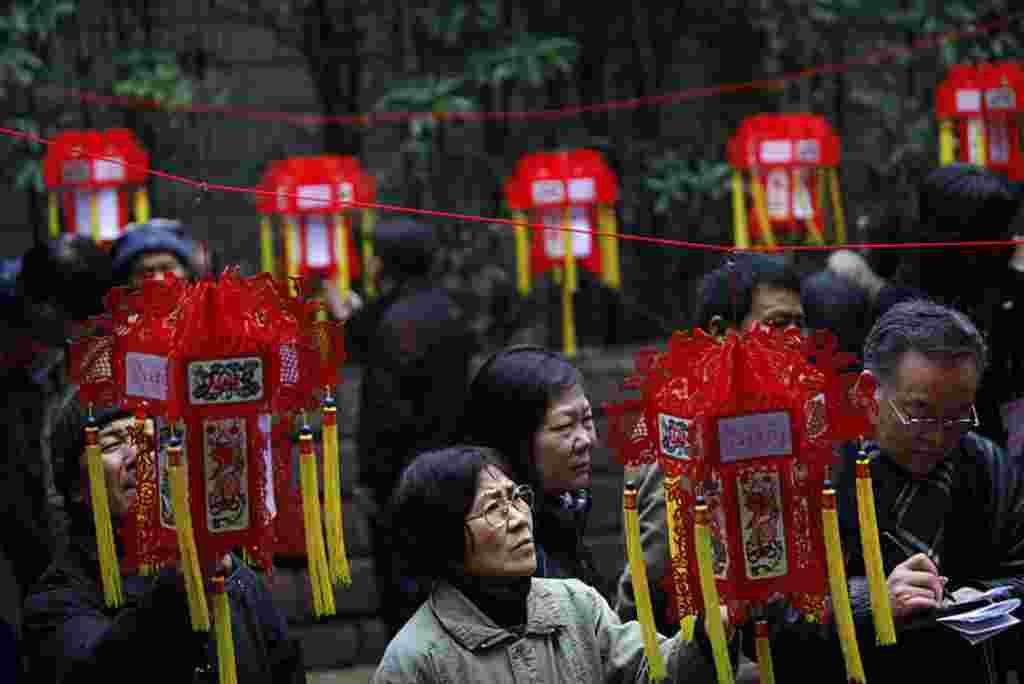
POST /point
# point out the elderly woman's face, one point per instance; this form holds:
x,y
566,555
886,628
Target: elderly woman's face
x,y
500,530
563,446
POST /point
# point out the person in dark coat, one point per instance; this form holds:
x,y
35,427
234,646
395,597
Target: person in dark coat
x,y
72,636
414,346
151,249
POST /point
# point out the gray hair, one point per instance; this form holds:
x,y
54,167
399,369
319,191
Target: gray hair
x,y
925,327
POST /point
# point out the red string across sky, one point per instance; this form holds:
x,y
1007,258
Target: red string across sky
x,y
373,118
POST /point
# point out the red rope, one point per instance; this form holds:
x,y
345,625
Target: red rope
x,y
206,186
676,97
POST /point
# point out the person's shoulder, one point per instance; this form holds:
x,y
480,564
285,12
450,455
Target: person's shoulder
x,y
982,451
408,655
565,590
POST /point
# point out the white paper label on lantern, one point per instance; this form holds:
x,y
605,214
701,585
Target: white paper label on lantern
x,y
318,246
554,240
107,210
268,465
968,101
225,381
808,151
998,142
75,171
226,470
582,190
777,183
313,196
761,522
776,152
547,192
803,208
145,376
163,463
754,436
346,193
109,170
1001,99
675,437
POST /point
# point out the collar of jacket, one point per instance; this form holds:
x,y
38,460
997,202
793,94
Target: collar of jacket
x,y
468,625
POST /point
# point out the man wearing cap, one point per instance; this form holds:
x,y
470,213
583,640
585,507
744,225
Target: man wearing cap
x,y
151,249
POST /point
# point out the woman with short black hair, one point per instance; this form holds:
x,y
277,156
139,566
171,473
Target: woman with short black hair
x,y
467,529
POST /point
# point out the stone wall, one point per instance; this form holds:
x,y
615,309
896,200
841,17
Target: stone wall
x,y
355,635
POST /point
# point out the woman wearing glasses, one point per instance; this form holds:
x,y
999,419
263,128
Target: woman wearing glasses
x,y
468,529
529,404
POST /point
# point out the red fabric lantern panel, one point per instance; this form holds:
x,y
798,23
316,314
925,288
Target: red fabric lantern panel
x,y
558,188
96,171
783,153
985,102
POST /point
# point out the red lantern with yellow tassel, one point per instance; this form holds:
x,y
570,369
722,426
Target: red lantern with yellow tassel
x,y
980,117
213,363
788,162
97,180
316,200
573,192
743,427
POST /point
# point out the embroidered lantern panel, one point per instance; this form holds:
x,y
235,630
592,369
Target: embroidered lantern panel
x,y
979,110
96,180
789,162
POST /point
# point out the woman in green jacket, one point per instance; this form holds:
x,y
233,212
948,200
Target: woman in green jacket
x,y
467,528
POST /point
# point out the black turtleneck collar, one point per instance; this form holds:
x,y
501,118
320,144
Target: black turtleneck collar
x,y
502,599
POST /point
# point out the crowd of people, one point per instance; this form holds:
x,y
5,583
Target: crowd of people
x,y
490,474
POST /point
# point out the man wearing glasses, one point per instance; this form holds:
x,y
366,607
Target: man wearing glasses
x,y
950,506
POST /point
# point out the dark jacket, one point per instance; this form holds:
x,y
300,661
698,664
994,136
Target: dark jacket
x,y
561,551
415,348
977,536
71,636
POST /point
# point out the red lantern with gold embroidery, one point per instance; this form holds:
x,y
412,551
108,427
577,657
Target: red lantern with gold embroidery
x,y
789,162
979,109
92,176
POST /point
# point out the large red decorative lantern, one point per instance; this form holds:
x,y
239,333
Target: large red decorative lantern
x,y
574,193
92,176
789,161
743,427
979,110
316,199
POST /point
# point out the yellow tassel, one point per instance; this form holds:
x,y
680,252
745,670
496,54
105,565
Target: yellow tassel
x,y
341,255
610,271
568,321
94,216
881,611
641,590
197,607
687,623
337,558
267,244
292,253
761,210
977,147
947,143
110,571
765,666
841,610
53,214
141,205
319,573
224,634
522,254
837,207
741,233
709,592
369,220
569,257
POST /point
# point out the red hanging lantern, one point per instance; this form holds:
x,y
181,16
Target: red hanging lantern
x,y
789,161
316,199
979,110
574,190
91,176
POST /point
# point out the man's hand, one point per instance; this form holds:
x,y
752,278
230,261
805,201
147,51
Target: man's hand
x,y
342,308
852,266
914,586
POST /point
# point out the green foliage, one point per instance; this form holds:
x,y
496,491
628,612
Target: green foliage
x,y
455,20
529,59
672,180
153,75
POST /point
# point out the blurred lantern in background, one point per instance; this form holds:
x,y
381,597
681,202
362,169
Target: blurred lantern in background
x,y
316,199
574,193
789,162
94,178
979,111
